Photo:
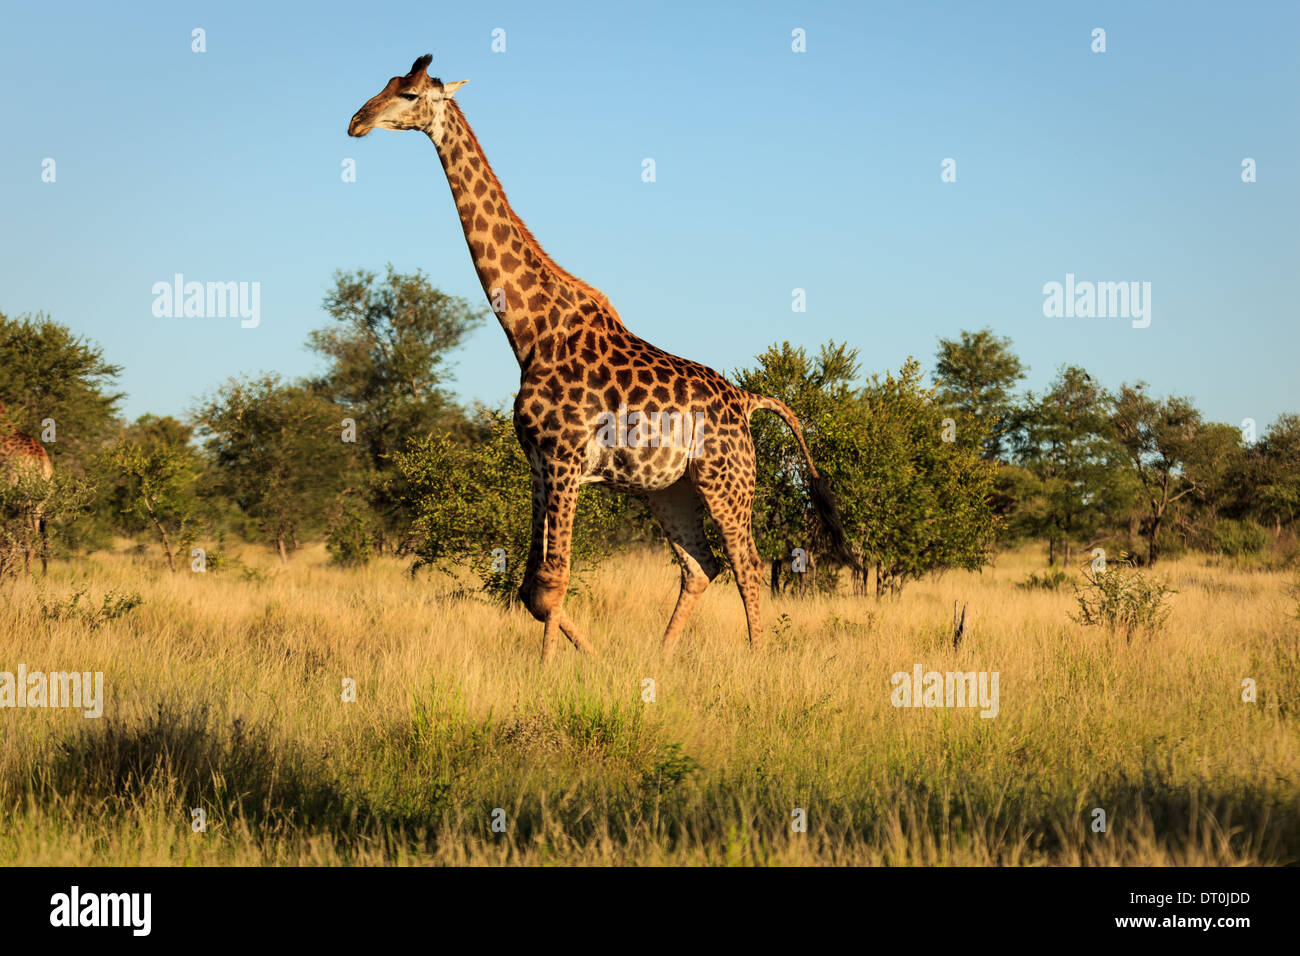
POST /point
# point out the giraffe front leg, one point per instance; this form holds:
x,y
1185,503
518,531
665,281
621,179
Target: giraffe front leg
x,y
537,540
545,589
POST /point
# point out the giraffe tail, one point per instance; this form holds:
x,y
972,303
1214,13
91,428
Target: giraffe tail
x,y
818,488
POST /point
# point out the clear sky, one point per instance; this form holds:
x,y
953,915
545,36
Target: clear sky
x,y
775,170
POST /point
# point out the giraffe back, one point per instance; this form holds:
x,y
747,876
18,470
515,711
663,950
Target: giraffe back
x,y
21,453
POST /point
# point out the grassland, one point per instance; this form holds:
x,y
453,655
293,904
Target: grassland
x,y
223,692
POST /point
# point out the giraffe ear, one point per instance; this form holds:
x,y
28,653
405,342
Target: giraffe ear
x,y
449,89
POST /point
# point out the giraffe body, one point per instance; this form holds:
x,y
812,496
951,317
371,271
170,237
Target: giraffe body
x,y
21,455
596,404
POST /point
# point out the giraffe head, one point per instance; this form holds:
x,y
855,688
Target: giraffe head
x,y
414,101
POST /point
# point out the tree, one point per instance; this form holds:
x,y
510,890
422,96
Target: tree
x,y
154,470
1074,469
1214,463
57,387
1159,437
278,453
49,374
388,350
912,500
1278,473
975,377
784,518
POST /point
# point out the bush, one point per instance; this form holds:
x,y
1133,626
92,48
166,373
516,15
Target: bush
x,y
113,606
1051,580
473,508
1240,539
348,536
26,495
1122,598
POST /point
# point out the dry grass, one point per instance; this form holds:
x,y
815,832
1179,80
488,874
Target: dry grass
x,y
223,692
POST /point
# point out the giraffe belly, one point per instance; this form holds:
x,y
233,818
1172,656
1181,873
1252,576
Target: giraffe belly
x,y
634,469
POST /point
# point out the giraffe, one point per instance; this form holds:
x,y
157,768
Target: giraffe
x,y
21,456
585,381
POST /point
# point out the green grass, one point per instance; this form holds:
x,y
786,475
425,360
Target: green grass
x,y
223,692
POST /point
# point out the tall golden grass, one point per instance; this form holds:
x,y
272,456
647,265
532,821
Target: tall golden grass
x,y
223,693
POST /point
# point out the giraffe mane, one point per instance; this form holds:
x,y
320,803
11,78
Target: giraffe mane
x,y
529,239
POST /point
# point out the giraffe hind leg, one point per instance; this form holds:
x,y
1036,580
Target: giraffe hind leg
x,y
732,509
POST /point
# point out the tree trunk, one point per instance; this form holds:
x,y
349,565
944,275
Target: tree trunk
x,y
167,546
776,576
1153,549
279,544
162,533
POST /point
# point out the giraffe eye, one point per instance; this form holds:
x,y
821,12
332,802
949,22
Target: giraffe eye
x,y
408,96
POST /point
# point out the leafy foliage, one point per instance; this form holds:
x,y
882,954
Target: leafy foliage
x,y
813,389
348,536
1052,579
112,605
277,453
912,501
388,348
155,470
975,376
473,507
1240,539
48,373
1072,474
1123,599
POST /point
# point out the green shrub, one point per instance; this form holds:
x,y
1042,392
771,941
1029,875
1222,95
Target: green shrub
x,y
1051,580
472,503
113,606
1122,598
1240,539
348,536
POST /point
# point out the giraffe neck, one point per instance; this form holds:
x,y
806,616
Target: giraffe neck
x,y
532,297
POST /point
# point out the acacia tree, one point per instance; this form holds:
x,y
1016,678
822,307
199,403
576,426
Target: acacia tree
x,y
56,386
1074,478
278,453
1215,460
50,374
1159,437
1278,473
388,348
976,376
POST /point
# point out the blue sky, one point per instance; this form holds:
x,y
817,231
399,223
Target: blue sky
x,y
775,170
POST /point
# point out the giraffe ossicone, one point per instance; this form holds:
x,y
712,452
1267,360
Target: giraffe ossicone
x,y
581,372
